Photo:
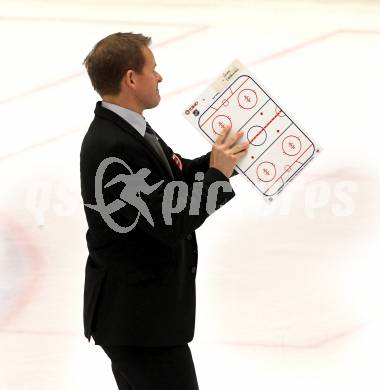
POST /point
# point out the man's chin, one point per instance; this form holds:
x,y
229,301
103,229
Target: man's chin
x,y
155,104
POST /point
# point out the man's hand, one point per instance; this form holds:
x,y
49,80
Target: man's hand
x,y
225,154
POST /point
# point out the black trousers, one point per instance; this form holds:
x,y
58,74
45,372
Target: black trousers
x,y
152,368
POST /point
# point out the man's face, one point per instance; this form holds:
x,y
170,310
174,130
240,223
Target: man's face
x,y
146,90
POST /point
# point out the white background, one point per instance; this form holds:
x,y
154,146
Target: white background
x,y
287,294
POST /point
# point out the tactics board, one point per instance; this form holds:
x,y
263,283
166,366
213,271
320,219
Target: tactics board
x,y
278,148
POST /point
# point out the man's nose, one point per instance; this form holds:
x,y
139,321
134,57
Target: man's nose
x,y
159,78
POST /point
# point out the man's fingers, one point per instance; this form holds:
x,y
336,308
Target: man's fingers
x,y
233,139
241,153
221,137
240,148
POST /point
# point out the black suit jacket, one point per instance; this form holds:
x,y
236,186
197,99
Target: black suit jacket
x,y
140,286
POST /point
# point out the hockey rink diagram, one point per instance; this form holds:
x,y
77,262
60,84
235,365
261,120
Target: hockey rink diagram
x,y
278,148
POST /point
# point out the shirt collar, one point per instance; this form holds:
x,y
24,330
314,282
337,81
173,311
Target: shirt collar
x,y
135,119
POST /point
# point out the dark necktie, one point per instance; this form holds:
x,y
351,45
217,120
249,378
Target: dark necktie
x,y
151,137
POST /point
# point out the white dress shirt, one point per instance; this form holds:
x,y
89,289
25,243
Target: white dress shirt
x,y
135,119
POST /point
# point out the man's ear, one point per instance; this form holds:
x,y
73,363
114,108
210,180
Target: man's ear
x,y
129,79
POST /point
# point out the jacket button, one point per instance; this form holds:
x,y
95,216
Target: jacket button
x,y
189,236
194,269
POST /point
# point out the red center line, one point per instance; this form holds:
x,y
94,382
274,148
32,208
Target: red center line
x,y
199,83
280,53
73,76
264,127
182,36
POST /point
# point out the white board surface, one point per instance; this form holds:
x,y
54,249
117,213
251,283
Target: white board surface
x,y
278,148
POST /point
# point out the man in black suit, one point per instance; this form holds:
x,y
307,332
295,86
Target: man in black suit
x,y
143,204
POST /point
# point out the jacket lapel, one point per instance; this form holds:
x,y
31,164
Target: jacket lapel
x,y
125,126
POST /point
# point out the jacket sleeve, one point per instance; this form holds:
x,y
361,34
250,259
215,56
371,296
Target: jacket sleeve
x,y
167,210
191,167
199,164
